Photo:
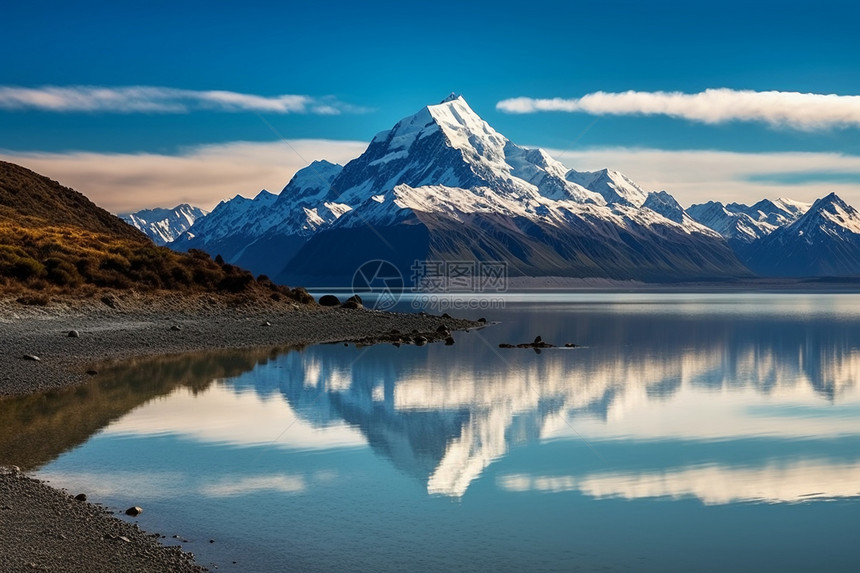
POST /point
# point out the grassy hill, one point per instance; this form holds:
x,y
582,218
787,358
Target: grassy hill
x,y
55,240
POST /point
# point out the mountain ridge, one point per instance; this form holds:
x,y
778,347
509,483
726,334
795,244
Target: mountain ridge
x,y
164,225
443,184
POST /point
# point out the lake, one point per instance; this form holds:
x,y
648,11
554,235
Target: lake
x,y
685,432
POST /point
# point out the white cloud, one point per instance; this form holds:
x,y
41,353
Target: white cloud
x,y
201,176
803,111
696,176
207,174
157,99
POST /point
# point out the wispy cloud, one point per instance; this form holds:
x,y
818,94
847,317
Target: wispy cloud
x,y
804,111
156,99
201,176
207,174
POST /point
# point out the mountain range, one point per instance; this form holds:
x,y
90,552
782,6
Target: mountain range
x,y
164,225
443,185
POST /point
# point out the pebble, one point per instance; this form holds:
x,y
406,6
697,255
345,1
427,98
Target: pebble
x,y
74,334
134,511
31,357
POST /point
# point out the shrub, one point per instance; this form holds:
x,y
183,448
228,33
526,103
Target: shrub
x,y
199,255
115,262
23,268
62,272
181,276
236,283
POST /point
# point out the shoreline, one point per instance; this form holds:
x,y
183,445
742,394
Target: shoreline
x,y
42,528
134,326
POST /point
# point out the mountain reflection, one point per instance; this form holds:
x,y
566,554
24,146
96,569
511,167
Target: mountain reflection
x,y
444,414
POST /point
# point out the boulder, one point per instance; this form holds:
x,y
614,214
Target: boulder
x,y
329,300
352,303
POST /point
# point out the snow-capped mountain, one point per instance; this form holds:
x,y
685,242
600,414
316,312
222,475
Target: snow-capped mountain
x,y
443,185
741,225
262,233
824,241
164,225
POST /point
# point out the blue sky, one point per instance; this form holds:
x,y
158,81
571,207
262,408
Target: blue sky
x,y
67,108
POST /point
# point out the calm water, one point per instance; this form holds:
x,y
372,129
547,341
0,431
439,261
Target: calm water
x,y
690,432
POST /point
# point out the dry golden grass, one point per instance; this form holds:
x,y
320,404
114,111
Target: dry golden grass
x,y
54,240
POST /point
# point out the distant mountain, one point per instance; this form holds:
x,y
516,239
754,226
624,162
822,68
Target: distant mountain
x,y
53,239
444,185
164,225
824,241
263,233
741,225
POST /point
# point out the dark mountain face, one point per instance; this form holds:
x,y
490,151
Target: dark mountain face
x,y
526,248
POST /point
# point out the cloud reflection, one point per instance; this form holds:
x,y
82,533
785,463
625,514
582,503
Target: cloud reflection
x,y
713,485
281,483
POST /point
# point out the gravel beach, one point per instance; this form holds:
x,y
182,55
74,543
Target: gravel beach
x,y
61,344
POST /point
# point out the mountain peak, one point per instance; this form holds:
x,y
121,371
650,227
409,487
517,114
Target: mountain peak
x,y
311,183
615,187
451,97
829,214
831,199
